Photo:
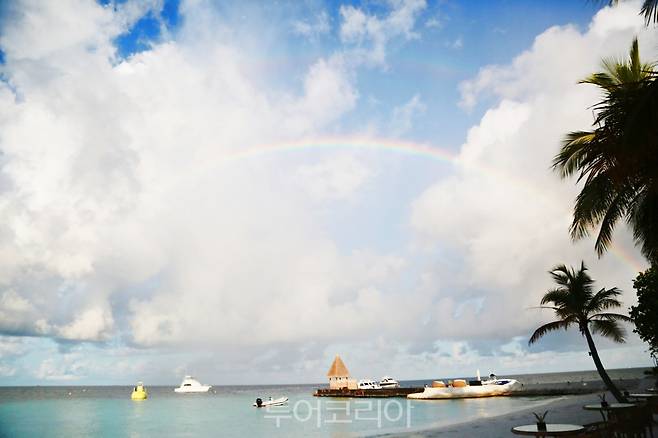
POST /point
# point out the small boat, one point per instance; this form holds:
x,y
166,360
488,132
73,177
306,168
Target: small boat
x,y
389,382
270,402
368,384
190,384
460,388
139,392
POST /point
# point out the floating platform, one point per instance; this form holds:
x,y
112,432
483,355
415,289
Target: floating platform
x,y
366,393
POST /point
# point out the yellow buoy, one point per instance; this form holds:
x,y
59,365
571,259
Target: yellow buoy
x,y
139,392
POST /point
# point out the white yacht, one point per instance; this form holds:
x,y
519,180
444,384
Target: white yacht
x,y
389,382
368,384
190,384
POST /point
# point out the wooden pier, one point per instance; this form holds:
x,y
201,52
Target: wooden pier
x,y
525,391
366,393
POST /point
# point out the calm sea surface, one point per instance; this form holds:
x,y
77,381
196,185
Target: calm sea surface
x,y
107,411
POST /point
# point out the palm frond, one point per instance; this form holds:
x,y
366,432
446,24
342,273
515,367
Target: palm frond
x,y
603,80
556,296
644,220
592,203
635,63
615,211
543,307
604,299
551,326
561,275
573,152
611,317
608,329
650,11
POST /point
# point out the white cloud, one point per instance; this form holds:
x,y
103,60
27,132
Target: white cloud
x,y
456,44
15,311
74,27
434,23
11,348
328,94
68,367
92,324
337,177
134,210
504,211
403,115
313,29
609,34
370,34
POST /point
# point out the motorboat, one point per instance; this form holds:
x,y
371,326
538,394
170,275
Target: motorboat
x,y
368,384
139,392
191,385
460,388
389,382
260,403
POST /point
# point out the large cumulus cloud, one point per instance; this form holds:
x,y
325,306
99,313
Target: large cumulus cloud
x,y
127,211
504,211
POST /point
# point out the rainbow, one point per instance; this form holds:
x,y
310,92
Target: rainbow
x,y
364,143
411,149
397,146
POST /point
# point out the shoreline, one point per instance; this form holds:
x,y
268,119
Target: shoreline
x,y
561,409
565,409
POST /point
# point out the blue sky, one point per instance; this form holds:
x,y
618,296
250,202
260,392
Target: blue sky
x,y
241,190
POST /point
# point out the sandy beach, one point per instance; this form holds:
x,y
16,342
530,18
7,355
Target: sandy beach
x,y
564,409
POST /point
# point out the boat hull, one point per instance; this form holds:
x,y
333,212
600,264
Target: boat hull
x,y
277,402
139,395
192,390
493,390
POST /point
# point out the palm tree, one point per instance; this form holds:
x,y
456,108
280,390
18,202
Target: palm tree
x,y
575,303
618,159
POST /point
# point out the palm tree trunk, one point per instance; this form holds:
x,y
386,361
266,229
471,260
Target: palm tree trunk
x,y
599,367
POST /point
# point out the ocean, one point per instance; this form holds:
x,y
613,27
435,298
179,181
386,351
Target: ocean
x,y
108,411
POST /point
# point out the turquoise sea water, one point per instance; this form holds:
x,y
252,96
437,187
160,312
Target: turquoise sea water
x,y
228,412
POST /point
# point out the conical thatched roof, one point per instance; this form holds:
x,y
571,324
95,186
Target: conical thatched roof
x,y
338,368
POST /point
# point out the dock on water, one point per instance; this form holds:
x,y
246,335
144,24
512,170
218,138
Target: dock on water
x,y
366,393
341,384
533,390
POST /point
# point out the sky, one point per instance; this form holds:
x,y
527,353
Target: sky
x,y
242,190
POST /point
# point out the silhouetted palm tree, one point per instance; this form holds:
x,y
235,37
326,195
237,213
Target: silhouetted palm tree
x,y
575,304
618,159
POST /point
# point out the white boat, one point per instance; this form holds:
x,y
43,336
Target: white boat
x,y
389,382
368,384
462,389
260,403
190,384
